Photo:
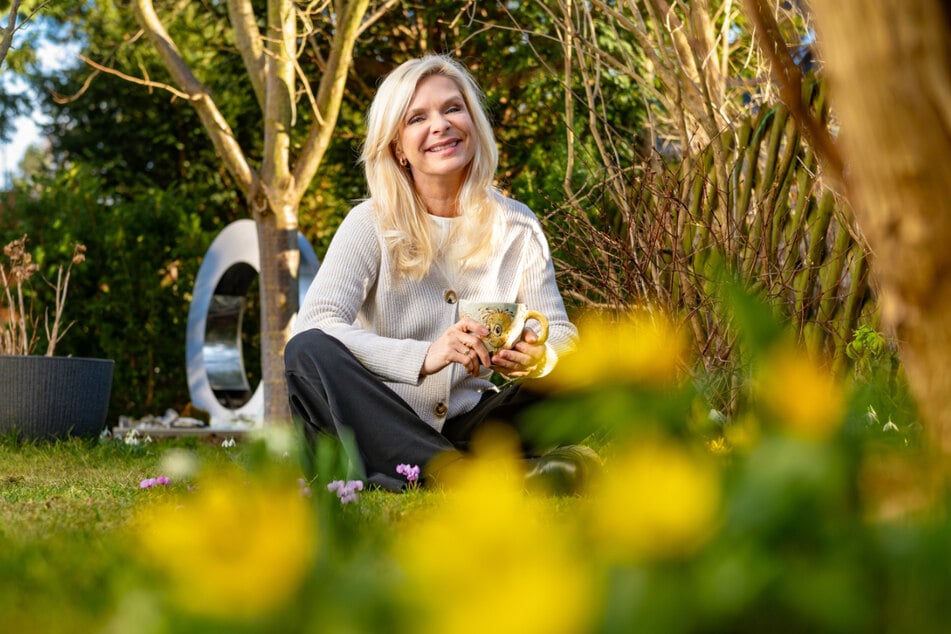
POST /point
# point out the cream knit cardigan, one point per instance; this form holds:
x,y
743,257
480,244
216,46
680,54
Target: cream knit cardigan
x,y
389,323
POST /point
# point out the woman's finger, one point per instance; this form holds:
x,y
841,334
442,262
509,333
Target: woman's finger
x,y
470,325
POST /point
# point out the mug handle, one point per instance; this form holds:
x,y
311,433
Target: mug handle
x,y
542,322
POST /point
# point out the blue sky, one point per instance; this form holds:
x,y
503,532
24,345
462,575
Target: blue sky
x,y
27,133
27,130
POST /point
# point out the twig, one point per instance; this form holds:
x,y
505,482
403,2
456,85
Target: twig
x,y
142,82
59,292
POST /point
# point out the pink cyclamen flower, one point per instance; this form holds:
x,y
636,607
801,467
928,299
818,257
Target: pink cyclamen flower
x,y
148,483
346,491
411,472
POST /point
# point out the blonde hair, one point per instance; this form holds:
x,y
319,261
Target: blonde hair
x,y
403,217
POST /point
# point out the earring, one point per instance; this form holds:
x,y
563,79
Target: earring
x,y
403,161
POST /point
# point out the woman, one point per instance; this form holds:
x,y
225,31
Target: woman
x,y
379,348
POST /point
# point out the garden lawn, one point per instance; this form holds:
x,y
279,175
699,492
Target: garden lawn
x,y
75,486
62,506
69,541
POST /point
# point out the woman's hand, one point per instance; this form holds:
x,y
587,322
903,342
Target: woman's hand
x,y
461,344
522,359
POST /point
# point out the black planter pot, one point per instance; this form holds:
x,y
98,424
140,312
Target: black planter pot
x,y
54,397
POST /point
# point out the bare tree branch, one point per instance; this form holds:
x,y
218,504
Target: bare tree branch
x,y
375,16
135,80
6,33
329,94
218,129
280,49
248,40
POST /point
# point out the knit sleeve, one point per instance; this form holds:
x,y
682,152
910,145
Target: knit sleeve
x,y
344,283
539,290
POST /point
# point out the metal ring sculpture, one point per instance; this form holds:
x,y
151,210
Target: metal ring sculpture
x,y
217,381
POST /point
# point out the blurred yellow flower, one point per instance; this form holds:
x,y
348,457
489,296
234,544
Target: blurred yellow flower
x,y
805,398
719,446
233,549
656,500
636,348
488,558
743,433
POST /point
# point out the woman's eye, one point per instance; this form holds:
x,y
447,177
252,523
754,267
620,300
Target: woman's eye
x,y
413,120
454,109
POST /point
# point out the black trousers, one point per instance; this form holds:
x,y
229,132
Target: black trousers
x,y
329,390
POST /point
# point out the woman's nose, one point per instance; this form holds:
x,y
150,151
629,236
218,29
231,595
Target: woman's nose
x,y
440,124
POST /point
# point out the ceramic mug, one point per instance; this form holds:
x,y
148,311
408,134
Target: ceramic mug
x,y
505,321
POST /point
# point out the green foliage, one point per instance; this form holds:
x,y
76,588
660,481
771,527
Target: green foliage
x,y
867,345
881,383
131,302
49,23
136,180
121,132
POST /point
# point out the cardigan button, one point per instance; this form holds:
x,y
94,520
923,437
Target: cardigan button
x,y
450,297
440,409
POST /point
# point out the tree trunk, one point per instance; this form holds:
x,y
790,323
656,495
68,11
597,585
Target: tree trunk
x,y
889,65
277,244
277,220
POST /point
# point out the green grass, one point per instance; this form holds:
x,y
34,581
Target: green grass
x,y
61,504
67,548
64,509
75,486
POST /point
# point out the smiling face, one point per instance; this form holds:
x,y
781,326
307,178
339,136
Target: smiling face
x,y
435,134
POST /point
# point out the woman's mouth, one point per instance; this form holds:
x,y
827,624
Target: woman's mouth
x,y
444,146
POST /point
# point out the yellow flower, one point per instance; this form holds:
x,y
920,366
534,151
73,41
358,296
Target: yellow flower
x,y
637,348
656,501
803,396
233,549
719,446
488,558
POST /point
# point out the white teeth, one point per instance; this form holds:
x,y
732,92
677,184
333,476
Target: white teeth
x,y
437,148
